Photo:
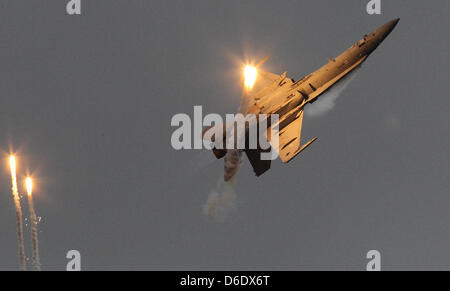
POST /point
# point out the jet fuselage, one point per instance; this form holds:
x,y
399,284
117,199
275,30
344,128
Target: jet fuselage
x,y
290,97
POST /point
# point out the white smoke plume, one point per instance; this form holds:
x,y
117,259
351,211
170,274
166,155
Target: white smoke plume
x,y
20,231
34,235
221,201
327,101
16,196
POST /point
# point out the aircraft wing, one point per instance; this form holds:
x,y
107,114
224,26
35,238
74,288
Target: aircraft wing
x,y
263,80
289,139
263,85
259,166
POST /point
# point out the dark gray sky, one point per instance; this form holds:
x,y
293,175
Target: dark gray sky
x,y
86,101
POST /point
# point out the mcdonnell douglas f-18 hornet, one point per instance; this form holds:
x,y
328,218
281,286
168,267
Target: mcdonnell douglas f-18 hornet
x,y
268,93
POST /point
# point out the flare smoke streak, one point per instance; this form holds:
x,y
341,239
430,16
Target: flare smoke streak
x,y
34,229
15,193
34,235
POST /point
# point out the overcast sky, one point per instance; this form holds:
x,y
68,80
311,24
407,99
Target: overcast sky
x,y
86,103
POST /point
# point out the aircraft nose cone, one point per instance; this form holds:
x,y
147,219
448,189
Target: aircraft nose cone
x,y
386,29
380,34
392,24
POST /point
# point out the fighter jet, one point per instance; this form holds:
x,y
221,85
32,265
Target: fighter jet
x,y
268,93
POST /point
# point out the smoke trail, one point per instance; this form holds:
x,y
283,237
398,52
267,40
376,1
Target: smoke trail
x,y
15,193
34,229
34,235
221,201
327,101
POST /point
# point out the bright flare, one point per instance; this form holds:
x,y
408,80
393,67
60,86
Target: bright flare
x,y
12,164
29,184
250,74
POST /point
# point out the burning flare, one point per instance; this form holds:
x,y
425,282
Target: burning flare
x,y
15,193
250,74
34,230
29,184
12,164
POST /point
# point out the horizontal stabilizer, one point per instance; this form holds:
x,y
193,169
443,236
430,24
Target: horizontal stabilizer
x,y
301,149
259,166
